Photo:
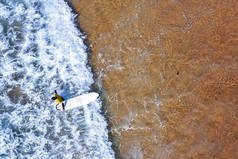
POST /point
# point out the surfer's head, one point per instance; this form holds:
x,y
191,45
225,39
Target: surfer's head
x,y
53,98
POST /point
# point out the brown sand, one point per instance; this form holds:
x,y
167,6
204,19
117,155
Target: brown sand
x,y
170,71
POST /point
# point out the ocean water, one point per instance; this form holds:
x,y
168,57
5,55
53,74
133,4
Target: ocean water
x,y
41,50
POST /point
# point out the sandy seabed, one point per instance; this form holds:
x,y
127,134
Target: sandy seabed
x,y
169,69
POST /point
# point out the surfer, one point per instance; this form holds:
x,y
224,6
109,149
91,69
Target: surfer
x,y
59,99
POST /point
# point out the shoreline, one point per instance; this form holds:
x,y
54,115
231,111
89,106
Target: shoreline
x,y
169,72
97,86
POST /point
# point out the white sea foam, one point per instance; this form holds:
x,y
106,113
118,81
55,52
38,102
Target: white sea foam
x,y
42,50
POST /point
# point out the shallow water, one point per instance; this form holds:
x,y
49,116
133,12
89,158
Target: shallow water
x,y
170,73
41,50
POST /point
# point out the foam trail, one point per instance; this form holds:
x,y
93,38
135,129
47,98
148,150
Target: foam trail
x,y
42,50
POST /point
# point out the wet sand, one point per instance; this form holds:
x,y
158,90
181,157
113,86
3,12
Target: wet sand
x,y
169,75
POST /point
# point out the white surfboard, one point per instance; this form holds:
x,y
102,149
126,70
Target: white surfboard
x,y
79,101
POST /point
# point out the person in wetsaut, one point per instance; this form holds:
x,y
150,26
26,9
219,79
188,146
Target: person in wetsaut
x,y
59,99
